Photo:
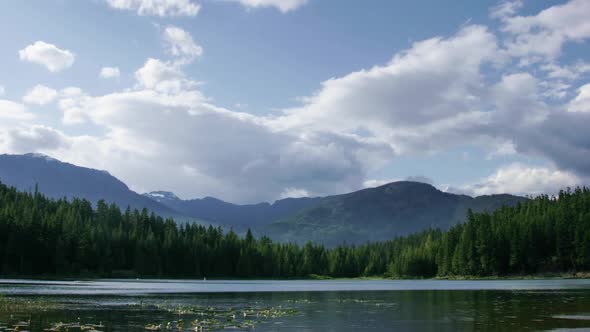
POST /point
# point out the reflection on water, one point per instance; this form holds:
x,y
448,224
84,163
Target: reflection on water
x,y
138,287
525,305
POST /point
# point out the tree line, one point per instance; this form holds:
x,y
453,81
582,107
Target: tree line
x,y
44,237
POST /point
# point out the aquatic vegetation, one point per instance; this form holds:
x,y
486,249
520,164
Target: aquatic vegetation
x,y
208,318
301,301
75,326
377,303
9,304
16,313
55,327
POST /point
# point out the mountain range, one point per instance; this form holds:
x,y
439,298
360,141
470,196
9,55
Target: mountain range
x,y
213,209
379,213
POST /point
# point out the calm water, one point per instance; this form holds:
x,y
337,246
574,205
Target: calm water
x,y
424,305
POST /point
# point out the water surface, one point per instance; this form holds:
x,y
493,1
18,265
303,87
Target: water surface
x,y
332,305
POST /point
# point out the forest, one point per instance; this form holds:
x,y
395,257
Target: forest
x,y
46,237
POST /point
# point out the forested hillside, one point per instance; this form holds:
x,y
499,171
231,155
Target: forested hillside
x,y
41,236
57,179
382,213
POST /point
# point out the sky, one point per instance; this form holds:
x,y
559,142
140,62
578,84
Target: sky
x,y
257,100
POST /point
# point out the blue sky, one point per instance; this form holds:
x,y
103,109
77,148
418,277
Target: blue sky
x,y
276,98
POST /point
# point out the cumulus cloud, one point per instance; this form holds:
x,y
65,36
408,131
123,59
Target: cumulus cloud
x,y
521,179
70,103
582,101
568,73
562,138
440,93
215,151
545,33
435,96
109,72
48,55
425,97
13,116
283,5
33,138
180,44
505,9
160,8
40,95
10,110
162,76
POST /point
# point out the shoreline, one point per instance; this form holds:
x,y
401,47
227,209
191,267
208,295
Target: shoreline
x,y
540,276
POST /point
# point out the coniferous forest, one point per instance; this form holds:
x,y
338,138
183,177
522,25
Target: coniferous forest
x,y
44,237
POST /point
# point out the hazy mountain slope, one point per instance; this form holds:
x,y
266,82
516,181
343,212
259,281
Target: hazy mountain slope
x,y
381,213
218,211
57,179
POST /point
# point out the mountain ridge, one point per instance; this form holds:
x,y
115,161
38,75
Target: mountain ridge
x,y
395,209
57,179
225,213
369,214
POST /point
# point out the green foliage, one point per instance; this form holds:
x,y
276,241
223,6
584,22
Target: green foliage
x,y
382,213
546,234
40,236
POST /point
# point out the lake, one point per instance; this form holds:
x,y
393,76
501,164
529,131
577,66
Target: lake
x,y
330,305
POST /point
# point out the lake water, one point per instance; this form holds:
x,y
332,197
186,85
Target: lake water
x,y
332,305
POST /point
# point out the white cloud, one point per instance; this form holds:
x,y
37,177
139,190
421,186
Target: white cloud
x,y
582,101
158,7
572,72
215,151
545,33
282,5
40,95
440,93
293,192
180,44
502,148
422,99
2,90
48,55
162,76
516,101
32,138
109,72
71,102
506,9
13,117
520,179
10,110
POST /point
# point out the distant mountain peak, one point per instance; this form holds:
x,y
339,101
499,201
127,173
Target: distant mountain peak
x,y
407,184
40,156
404,187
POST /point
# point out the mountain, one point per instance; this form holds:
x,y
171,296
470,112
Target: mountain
x,y
57,179
228,214
381,213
